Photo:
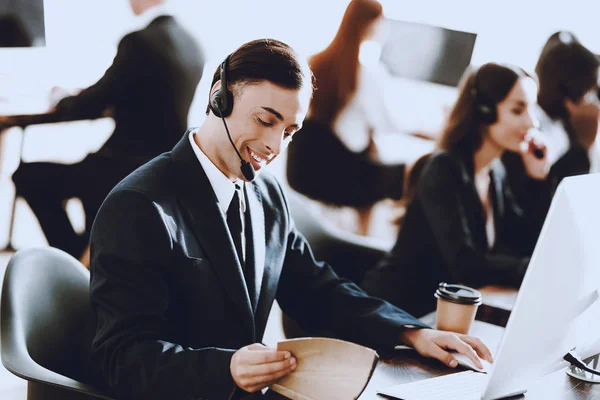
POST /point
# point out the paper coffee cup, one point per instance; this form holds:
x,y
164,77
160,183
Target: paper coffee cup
x,y
456,307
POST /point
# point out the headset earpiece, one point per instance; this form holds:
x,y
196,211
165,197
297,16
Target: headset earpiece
x,y
221,102
485,110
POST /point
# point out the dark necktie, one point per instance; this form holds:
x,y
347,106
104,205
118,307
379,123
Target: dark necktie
x,y
234,221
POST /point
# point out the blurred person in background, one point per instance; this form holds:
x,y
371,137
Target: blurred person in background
x,y
148,90
568,111
462,224
347,109
569,107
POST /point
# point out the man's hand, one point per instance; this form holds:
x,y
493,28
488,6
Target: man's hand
x,y
254,367
435,344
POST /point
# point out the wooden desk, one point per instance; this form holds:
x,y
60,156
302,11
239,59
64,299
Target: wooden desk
x,y
408,366
24,120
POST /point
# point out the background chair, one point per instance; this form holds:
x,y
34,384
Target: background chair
x,y
44,307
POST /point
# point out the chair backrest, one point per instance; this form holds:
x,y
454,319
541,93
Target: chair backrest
x,y
349,255
44,309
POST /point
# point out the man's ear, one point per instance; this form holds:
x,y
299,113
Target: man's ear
x,y
215,88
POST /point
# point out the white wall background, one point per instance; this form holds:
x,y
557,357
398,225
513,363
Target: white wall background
x,y
82,35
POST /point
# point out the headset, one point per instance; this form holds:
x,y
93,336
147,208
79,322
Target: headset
x,y
221,104
485,110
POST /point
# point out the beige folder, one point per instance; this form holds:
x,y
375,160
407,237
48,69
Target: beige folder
x,y
327,369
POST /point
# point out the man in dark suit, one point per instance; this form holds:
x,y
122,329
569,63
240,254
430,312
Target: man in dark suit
x,y
149,89
190,251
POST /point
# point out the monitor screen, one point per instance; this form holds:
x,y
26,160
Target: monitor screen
x,y
427,53
22,23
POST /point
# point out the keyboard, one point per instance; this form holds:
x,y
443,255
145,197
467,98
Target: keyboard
x,y
467,385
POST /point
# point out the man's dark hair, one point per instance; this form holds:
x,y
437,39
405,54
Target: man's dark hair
x,y
565,69
264,60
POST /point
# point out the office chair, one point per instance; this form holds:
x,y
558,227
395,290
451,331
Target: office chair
x,y
44,306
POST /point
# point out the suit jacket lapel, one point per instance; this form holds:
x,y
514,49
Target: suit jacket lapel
x,y
270,251
210,227
257,228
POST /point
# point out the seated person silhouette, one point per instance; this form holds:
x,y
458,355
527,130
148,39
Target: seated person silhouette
x,y
149,88
568,110
347,109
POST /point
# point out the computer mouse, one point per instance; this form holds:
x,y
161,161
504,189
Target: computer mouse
x,y
467,363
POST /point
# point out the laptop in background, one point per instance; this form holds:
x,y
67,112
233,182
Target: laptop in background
x,y
427,53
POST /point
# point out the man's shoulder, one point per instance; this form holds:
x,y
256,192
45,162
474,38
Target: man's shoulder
x,y
270,189
146,33
164,25
267,182
155,178
165,35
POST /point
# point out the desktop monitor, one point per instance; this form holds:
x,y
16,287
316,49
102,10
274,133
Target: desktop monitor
x,y
556,310
427,53
22,23
558,296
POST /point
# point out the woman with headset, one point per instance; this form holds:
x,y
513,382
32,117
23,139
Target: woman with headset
x,y
462,224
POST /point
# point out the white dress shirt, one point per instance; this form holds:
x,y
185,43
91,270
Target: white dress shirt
x,y
482,184
221,185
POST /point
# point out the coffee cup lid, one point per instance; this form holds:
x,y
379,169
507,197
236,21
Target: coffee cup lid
x,y
458,294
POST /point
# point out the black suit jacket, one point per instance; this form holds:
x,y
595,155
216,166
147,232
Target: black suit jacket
x,y
149,87
443,236
169,302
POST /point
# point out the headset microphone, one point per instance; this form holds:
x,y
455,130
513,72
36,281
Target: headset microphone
x,y
246,167
221,104
538,153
